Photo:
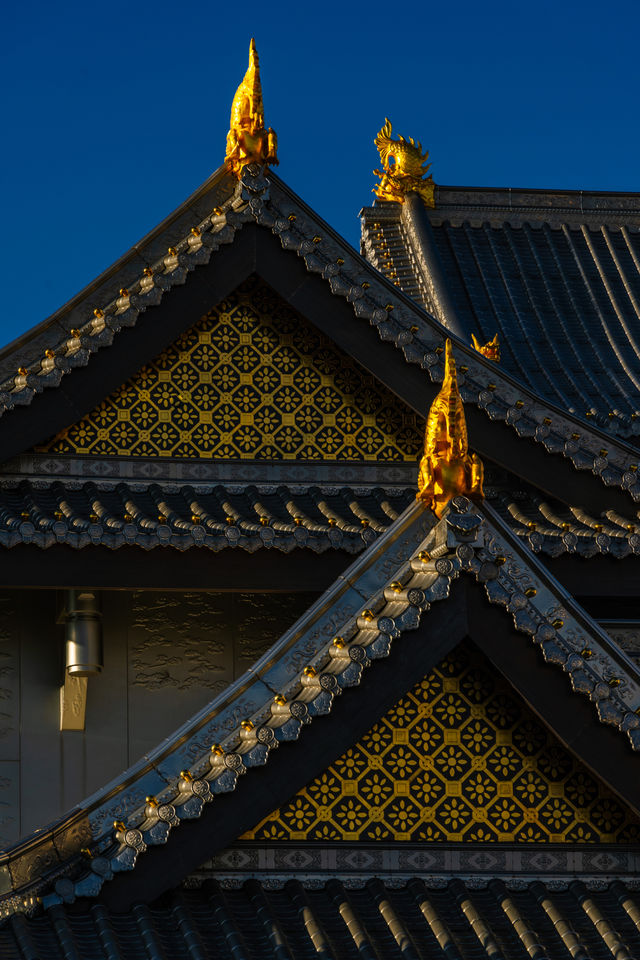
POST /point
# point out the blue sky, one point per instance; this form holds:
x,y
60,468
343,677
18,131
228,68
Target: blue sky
x,y
115,113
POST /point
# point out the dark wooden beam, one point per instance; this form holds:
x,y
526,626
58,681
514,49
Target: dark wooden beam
x,y
131,568
599,580
608,588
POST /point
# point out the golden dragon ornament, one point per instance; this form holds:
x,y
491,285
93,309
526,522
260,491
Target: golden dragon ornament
x,y
248,141
404,168
446,468
490,350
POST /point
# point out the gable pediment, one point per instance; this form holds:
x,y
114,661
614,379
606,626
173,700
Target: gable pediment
x,y
251,380
459,758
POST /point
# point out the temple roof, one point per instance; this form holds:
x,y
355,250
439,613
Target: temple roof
x,y
556,274
435,579
333,920
104,336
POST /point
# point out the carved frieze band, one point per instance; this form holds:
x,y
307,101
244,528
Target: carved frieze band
x,y
475,864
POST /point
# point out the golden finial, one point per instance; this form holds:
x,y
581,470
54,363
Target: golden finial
x,y
490,350
404,168
247,140
446,468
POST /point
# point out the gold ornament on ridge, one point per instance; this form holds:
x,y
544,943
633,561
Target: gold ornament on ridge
x,y
490,350
404,168
446,468
248,141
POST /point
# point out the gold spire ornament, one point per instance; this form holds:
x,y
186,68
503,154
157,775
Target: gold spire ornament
x,y
490,350
446,468
404,168
248,141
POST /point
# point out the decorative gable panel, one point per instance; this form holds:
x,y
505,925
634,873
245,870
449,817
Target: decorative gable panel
x,y
251,380
459,758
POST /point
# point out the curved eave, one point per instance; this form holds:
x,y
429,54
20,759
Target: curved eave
x,y
49,511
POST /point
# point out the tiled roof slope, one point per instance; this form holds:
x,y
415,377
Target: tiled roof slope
x,y
211,516
298,919
283,516
556,275
382,596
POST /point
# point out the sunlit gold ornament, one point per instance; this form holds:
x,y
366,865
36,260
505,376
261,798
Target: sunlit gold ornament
x,y
446,468
247,140
490,350
404,168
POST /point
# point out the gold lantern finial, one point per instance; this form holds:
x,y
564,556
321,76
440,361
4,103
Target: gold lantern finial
x,y
490,350
247,140
446,468
404,168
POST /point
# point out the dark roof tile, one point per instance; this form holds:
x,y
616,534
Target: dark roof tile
x,y
282,918
216,516
348,518
562,291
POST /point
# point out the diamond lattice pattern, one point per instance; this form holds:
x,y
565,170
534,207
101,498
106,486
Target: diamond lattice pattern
x,y
460,757
251,380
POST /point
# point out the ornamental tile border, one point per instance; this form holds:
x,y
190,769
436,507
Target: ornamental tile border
x,y
354,623
111,470
397,319
437,865
398,880
488,859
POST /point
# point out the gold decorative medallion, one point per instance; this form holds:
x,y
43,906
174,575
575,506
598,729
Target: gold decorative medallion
x,y
446,468
248,141
404,168
490,350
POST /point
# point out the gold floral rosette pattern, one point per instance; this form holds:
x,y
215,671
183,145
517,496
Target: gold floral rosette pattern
x,y
459,758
